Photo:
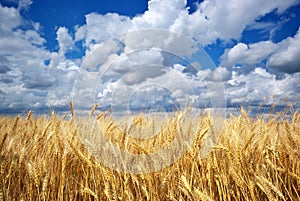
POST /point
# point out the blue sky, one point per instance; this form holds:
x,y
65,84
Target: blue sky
x,y
48,48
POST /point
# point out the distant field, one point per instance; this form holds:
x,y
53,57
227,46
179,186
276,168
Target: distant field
x,y
243,158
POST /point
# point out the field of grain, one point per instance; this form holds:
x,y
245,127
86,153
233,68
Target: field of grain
x,y
43,158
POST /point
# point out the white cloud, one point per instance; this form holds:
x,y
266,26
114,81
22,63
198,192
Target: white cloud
x,y
160,14
221,19
287,59
20,4
220,74
99,54
22,56
196,26
230,18
151,56
80,33
18,46
24,4
65,41
159,38
9,19
282,56
33,37
251,54
134,65
258,84
84,91
142,74
128,65
99,28
24,78
224,19
165,84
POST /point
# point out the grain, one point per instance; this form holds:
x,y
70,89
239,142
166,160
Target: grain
x,y
248,158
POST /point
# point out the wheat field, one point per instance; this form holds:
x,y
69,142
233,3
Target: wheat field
x,y
251,158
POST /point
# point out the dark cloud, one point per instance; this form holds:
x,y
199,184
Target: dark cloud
x,y
4,65
140,75
36,80
4,69
292,66
2,92
6,80
35,84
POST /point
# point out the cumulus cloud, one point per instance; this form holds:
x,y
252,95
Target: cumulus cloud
x,y
121,72
244,54
20,4
84,93
281,56
225,20
220,74
230,18
99,28
163,85
287,59
19,46
258,84
25,80
139,75
9,18
146,62
100,53
33,37
212,20
65,41
156,15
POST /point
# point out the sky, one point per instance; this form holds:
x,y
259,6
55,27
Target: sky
x,y
158,55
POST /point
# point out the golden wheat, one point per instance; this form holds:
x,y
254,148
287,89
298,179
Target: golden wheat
x,y
248,158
